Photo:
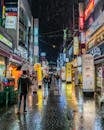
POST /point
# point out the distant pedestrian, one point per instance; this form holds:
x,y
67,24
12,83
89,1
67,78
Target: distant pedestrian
x,y
57,79
23,88
49,81
45,82
34,84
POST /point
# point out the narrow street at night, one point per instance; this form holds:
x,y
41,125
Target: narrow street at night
x,y
64,108
51,64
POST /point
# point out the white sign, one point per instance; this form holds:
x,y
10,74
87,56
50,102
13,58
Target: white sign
x,y
83,38
11,22
43,54
36,50
76,45
79,61
88,73
95,51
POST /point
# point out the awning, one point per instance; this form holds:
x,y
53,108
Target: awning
x,y
5,53
16,59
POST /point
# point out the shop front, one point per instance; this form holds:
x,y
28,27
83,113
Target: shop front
x,y
14,70
6,48
2,70
98,54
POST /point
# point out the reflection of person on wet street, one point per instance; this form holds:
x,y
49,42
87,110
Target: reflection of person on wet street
x,y
45,82
22,120
23,87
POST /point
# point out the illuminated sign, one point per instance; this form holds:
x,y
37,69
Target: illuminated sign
x,y
43,54
95,51
4,40
82,37
88,73
11,9
76,45
36,31
96,38
81,16
3,12
36,50
98,23
89,8
81,9
10,22
81,23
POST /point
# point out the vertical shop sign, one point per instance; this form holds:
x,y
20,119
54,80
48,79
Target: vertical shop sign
x,y
88,73
10,22
68,72
81,16
36,29
76,45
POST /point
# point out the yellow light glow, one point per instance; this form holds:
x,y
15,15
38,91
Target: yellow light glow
x,y
95,37
40,99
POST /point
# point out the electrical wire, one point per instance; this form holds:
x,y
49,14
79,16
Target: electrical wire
x,y
51,36
52,32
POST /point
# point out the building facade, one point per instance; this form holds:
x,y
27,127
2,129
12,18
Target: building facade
x,y
16,38
94,30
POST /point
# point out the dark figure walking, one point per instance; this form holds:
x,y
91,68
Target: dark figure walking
x,y
45,82
57,79
23,87
49,81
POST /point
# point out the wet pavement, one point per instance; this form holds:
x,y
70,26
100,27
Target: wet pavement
x,y
62,107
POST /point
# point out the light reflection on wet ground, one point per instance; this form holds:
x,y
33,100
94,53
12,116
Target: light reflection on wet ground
x,y
50,113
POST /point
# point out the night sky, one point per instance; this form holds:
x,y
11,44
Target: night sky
x,y
54,15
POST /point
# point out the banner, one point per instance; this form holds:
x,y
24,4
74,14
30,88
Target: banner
x,y
76,45
11,22
88,73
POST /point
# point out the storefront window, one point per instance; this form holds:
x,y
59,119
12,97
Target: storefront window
x,y
2,67
13,73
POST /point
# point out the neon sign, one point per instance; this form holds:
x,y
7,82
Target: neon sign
x,y
81,23
89,8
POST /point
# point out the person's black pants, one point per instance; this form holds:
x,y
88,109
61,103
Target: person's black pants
x,y
21,95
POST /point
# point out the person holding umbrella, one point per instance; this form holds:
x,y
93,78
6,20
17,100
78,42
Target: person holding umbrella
x,y
23,88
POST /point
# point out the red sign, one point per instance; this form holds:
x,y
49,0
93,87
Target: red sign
x,y
81,23
11,14
89,8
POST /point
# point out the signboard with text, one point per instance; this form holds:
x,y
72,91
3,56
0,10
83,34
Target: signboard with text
x,y
11,22
5,41
88,73
76,45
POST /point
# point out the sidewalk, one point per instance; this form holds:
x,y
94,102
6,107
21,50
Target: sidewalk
x,y
42,114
